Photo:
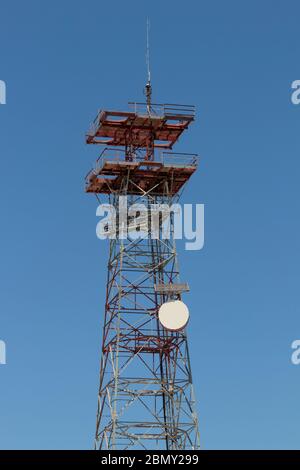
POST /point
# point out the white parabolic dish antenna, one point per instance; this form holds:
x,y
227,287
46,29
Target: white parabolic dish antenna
x,y
173,315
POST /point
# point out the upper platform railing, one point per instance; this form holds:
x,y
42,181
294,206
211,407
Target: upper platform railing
x,y
160,110
167,112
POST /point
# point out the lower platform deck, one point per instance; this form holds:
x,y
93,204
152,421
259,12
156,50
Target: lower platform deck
x,y
142,176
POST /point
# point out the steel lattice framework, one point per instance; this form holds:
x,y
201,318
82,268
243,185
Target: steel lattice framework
x,y
145,398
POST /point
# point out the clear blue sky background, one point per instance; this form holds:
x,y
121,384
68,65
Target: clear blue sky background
x,y
235,60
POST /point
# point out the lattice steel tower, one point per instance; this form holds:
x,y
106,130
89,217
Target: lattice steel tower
x,y
145,396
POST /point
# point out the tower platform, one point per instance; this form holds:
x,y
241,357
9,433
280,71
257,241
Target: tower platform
x,y
160,128
143,175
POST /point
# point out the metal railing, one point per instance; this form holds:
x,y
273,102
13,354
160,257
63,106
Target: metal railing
x,y
94,126
166,109
165,158
179,159
159,110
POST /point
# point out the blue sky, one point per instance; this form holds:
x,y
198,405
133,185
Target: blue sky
x,y
235,61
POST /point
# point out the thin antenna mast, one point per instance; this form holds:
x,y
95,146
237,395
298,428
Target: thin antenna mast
x,y
148,88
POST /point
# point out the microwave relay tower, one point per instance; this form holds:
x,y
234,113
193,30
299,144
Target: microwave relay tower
x,y
145,398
